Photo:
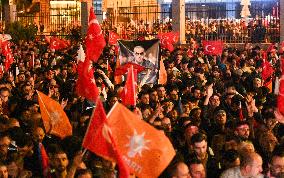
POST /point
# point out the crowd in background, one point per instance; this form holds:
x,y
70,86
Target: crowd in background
x,y
215,110
232,31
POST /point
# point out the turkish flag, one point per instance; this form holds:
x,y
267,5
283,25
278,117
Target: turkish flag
x,y
130,94
99,140
86,84
271,48
189,53
8,61
280,99
95,41
44,159
146,150
267,70
168,40
121,70
281,47
6,50
54,118
213,47
112,38
57,44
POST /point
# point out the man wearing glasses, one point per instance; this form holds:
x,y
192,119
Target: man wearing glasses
x,y
149,74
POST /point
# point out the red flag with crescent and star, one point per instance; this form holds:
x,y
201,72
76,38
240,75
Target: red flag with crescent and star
x,y
168,40
6,50
112,38
130,94
95,41
57,44
213,47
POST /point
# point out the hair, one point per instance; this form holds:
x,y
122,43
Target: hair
x,y
194,160
138,47
278,151
230,155
83,172
247,159
171,170
198,137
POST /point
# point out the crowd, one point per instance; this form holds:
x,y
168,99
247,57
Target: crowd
x,y
214,109
237,31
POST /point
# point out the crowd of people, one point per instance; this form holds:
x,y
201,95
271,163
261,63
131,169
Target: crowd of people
x,y
215,110
236,31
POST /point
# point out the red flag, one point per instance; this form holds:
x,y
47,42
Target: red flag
x,y
95,41
280,99
86,84
44,159
189,53
121,70
281,47
130,88
267,70
57,44
99,139
168,40
270,48
6,50
113,37
213,47
146,151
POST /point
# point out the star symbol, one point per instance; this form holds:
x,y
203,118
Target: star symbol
x,y
54,117
137,144
91,37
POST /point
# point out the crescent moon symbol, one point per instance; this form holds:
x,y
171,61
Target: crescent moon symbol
x,y
206,48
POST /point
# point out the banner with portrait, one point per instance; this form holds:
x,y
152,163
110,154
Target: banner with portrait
x,y
144,53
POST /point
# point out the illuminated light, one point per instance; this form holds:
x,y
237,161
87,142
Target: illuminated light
x,y
203,5
62,2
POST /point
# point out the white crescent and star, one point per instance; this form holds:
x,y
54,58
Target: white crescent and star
x,y
209,46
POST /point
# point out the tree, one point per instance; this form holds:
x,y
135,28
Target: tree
x,y
20,32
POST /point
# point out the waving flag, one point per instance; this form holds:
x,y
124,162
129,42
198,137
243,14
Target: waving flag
x,y
99,139
168,40
95,41
113,37
6,50
86,84
57,44
130,94
55,120
281,47
213,47
145,150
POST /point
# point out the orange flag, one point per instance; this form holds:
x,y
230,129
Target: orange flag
x,y
162,73
145,150
55,120
99,140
